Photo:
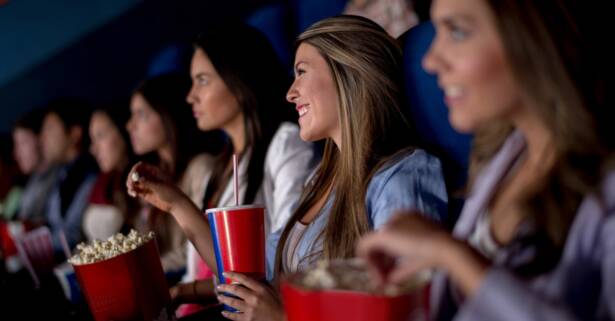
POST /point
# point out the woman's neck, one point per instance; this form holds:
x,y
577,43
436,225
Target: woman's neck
x,y
166,157
236,130
540,144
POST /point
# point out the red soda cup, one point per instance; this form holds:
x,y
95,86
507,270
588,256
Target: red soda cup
x,y
238,233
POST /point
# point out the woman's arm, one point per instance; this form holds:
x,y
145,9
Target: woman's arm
x,y
150,184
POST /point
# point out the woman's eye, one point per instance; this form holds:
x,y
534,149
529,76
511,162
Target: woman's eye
x,y
458,34
203,81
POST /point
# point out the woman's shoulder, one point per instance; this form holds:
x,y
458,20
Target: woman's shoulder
x,y
411,179
409,163
199,162
198,168
287,133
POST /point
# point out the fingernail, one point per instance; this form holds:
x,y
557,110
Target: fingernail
x,y
225,274
224,313
220,287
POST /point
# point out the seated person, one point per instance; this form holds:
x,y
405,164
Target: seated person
x,y
64,142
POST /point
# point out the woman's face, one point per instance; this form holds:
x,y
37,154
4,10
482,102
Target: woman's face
x,y
147,133
56,141
107,145
315,96
468,57
214,106
26,150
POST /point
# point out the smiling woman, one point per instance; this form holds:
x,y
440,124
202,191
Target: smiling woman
x,y
536,235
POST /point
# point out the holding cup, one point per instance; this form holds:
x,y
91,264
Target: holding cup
x,y
238,233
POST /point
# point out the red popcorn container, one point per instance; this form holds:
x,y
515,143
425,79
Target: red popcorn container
x,y
130,286
303,304
238,233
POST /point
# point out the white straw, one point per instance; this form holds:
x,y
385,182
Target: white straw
x,y
235,180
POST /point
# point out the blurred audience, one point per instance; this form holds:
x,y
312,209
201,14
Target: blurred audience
x,y
42,174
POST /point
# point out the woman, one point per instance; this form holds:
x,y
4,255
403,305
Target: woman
x,y
110,210
161,128
345,91
229,93
535,238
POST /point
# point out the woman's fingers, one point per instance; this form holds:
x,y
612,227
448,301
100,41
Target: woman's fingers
x,y
236,290
234,303
405,270
237,316
246,281
131,181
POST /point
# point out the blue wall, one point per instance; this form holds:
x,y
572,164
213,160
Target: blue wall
x,y
98,50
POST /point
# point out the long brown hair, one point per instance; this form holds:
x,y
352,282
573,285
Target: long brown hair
x,y
365,65
562,72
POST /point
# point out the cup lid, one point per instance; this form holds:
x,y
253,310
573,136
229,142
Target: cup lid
x,y
230,208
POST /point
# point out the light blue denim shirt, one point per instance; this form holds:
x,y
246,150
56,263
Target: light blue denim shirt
x,y
410,181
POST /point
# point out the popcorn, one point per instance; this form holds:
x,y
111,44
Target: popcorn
x,y
350,275
112,247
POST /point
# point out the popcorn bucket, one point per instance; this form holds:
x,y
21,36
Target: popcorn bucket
x,y
302,304
130,286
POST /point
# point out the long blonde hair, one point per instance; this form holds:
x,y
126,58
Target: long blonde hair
x,y
366,66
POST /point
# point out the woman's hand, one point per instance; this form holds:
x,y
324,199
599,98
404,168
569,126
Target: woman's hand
x,y
407,244
410,243
257,302
155,187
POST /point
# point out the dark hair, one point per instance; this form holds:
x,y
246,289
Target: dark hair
x,y
560,61
9,172
166,94
32,120
73,113
421,7
248,65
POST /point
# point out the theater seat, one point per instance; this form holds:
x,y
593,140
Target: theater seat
x,y
307,12
274,22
